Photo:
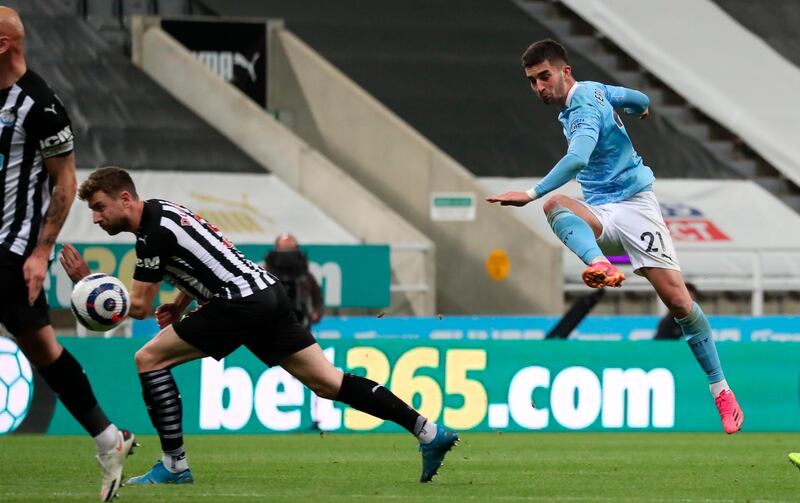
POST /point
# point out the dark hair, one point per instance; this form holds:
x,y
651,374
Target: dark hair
x,y
544,50
111,180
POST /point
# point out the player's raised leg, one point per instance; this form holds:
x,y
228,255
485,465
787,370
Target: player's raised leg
x,y
66,378
154,361
578,229
310,366
672,290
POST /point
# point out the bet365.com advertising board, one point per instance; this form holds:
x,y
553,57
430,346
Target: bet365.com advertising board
x,y
490,385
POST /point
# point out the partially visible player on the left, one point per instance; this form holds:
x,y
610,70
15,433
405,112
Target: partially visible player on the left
x,y
37,188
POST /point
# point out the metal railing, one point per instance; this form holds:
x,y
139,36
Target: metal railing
x,y
757,284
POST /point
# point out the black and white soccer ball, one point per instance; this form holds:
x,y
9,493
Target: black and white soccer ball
x,y
100,302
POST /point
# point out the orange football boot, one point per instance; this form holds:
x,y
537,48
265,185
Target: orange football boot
x,y
602,274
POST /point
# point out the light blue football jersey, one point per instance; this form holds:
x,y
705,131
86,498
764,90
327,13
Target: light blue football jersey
x,y
615,171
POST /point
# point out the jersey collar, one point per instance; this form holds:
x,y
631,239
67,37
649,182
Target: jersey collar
x,y
570,93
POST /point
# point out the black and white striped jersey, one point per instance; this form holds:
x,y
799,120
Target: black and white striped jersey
x,y
35,126
179,246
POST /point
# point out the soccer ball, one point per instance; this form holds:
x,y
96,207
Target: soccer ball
x,y
16,385
100,302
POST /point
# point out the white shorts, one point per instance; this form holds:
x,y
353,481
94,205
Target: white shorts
x,y
636,227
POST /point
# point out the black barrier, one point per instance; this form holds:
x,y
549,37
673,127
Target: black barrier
x,y
234,50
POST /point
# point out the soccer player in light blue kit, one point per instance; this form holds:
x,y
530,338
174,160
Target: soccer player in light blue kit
x,y
619,211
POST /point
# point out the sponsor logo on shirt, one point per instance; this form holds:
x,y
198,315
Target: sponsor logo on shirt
x,y
148,262
60,138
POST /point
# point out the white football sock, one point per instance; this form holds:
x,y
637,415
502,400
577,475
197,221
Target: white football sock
x,y
719,387
175,461
106,439
427,432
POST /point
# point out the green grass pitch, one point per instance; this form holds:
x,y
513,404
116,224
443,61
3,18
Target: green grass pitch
x,y
509,467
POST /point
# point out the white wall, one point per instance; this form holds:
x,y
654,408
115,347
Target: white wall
x,y
715,63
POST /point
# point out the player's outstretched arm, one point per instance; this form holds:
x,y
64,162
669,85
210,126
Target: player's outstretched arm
x,y
577,157
630,101
511,199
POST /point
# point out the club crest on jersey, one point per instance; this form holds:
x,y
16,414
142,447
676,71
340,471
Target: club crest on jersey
x,y
8,116
186,222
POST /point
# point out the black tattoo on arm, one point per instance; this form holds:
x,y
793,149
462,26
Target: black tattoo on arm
x,y
62,170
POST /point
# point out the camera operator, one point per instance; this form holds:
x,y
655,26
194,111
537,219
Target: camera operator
x,y
289,265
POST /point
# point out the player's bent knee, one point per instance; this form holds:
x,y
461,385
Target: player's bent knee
x,y
326,388
146,360
40,355
318,389
679,306
141,359
555,201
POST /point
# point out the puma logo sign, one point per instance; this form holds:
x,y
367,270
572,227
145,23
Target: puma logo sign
x,y
223,63
249,66
51,109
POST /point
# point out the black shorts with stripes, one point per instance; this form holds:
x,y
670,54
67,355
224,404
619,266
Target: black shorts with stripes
x,y
15,313
263,322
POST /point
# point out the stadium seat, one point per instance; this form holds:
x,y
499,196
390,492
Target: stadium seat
x,y
455,76
173,7
118,114
131,7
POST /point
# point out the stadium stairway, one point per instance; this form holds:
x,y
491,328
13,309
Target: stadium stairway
x,y
453,73
724,145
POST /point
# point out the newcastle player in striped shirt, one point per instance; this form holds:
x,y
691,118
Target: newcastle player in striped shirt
x,y
37,188
240,304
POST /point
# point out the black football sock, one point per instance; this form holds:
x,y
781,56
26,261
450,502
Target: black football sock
x,y
164,407
68,381
372,398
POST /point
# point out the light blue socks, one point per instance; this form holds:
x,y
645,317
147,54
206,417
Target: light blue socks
x,y
575,233
697,331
